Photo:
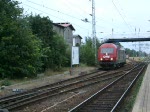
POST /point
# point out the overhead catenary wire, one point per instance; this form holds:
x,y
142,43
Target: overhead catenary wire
x,y
69,14
53,16
78,7
59,11
53,10
125,14
122,17
106,22
43,11
97,18
122,9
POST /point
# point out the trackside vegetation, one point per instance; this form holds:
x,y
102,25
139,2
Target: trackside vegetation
x,y
28,45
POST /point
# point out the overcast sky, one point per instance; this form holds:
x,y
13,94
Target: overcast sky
x,y
128,18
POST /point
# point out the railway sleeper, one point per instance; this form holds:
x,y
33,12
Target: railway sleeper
x,y
113,91
100,105
95,109
105,102
108,97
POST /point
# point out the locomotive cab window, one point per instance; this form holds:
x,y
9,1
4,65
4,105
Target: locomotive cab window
x,y
107,50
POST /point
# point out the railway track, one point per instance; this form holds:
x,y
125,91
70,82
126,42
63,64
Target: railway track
x,y
15,101
109,97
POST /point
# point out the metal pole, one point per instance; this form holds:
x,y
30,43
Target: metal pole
x,y
139,45
71,62
93,29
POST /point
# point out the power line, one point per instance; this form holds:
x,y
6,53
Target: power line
x,y
53,16
62,13
68,1
65,13
43,12
121,9
59,12
122,16
123,13
54,10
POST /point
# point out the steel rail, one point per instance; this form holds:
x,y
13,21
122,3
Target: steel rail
x,y
76,108
48,89
125,93
89,78
29,99
26,99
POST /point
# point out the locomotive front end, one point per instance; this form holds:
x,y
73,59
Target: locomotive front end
x,y
107,55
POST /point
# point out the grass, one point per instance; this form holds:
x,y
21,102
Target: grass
x,y
65,70
48,72
8,82
5,82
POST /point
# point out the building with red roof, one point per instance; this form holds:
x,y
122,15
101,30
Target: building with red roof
x,y
65,30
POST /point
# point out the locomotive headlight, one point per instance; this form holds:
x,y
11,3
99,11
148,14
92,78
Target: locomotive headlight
x,y
111,59
101,59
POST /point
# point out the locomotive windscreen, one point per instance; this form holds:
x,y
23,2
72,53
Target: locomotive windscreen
x,y
107,50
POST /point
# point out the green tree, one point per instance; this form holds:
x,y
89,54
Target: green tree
x,y
87,52
53,46
19,48
42,28
59,52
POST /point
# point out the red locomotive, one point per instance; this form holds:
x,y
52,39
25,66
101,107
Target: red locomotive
x,y
111,55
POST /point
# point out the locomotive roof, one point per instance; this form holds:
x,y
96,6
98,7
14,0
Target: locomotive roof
x,y
110,44
117,45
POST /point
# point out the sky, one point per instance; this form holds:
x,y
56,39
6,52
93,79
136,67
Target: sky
x,y
127,18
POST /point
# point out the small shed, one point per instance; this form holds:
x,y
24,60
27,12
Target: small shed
x,y
77,40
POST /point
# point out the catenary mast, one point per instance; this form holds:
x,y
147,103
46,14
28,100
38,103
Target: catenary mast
x,y
94,30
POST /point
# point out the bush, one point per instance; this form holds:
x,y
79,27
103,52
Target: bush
x,y
87,55
5,82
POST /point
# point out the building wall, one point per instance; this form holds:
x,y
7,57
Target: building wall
x,y
59,30
68,35
65,32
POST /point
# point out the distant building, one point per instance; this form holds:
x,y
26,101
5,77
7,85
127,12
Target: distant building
x,y
77,40
65,30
